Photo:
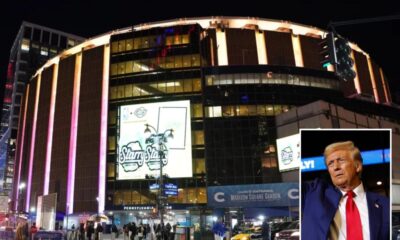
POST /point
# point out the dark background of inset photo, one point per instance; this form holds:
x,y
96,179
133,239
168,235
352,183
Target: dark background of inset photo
x,y
313,143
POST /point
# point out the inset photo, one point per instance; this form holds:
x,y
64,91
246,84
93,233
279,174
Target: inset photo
x,y
345,183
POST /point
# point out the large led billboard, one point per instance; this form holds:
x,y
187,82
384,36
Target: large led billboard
x,y
141,151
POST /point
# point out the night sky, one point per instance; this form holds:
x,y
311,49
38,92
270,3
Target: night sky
x,y
88,18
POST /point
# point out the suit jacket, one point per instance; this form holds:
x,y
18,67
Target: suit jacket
x,y
320,201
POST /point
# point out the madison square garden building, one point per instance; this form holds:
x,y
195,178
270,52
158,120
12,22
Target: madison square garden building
x,y
218,82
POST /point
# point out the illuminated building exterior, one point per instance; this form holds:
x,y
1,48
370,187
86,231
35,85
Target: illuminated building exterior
x,y
219,82
32,47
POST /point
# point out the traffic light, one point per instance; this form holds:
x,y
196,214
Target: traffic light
x,y
344,65
327,51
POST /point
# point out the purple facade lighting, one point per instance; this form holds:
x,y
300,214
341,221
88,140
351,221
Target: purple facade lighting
x,y
103,130
50,131
73,135
32,150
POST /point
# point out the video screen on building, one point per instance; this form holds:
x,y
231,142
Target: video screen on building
x,y
288,152
154,133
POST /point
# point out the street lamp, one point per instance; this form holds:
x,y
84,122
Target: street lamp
x,y
159,139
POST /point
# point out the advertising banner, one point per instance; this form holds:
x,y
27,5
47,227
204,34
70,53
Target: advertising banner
x,y
288,152
369,157
254,195
154,133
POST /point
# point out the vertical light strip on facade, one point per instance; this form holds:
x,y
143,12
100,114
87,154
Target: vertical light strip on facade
x,y
385,89
356,79
103,130
50,130
21,149
261,49
212,52
373,81
221,47
298,56
33,141
73,134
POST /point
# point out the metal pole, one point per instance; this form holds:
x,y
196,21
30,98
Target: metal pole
x,y
161,181
67,218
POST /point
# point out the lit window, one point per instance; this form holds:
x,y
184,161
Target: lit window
x,y
200,166
185,39
121,46
70,43
197,110
129,44
25,45
114,47
112,117
111,143
110,170
44,51
198,137
53,51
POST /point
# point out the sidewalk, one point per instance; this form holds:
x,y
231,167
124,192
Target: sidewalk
x,y
120,237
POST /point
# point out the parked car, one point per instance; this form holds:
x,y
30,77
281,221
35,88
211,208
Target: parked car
x,y
396,232
277,227
249,234
292,232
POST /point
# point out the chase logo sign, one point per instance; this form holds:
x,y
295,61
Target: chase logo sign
x,y
219,197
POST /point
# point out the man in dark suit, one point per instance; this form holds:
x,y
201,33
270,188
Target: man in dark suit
x,y
343,210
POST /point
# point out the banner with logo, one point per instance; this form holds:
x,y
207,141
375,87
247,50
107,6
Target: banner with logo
x,y
254,195
288,152
141,153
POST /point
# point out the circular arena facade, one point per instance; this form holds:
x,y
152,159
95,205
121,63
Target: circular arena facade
x,y
218,82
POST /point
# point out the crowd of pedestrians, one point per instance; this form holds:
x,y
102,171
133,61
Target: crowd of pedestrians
x,y
92,231
132,231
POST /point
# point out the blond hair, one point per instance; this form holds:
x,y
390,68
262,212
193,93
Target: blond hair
x,y
347,145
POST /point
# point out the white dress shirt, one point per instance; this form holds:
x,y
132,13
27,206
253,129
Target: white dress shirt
x,y
338,225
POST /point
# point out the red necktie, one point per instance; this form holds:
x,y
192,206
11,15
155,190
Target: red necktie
x,y
353,220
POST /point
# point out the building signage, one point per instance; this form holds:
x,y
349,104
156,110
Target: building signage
x,y
169,189
254,195
143,207
288,152
140,154
369,157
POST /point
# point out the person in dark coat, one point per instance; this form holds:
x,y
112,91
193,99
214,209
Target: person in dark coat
x,y
82,231
90,231
133,230
265,230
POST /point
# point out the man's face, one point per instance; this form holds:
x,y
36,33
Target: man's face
x,y
343,170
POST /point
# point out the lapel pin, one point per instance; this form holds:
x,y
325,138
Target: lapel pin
x,y
376,205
